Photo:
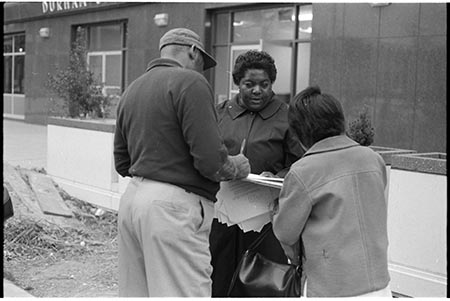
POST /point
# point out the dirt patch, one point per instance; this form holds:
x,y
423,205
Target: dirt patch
x,y
50,260
75,277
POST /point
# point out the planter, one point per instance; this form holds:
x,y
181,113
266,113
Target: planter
x,y
387,153
417,219
80,159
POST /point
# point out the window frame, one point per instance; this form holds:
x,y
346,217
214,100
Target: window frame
x,y
123,23
13,54
103,55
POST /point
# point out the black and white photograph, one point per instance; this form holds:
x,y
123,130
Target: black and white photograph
x,y
205,149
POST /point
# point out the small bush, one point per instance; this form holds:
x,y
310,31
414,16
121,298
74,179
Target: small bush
x,y
361,129
81,94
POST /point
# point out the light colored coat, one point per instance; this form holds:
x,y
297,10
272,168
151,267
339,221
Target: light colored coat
x,y
334,198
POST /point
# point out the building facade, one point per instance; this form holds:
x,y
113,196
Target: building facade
x,y
391,58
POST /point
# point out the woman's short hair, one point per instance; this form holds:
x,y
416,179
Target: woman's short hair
x,y
314,116
254,59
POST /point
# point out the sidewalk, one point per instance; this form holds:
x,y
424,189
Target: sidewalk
x,y
24,145
12,290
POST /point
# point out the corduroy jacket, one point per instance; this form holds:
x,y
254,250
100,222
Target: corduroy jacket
x,y
333,197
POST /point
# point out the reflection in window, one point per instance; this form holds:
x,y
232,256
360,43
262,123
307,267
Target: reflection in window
x,y
305,17
7,44
19,67
7,74
105,37
221,33
267,24
106,54
19,43
14,63
95,65
112,69
221,74
303,58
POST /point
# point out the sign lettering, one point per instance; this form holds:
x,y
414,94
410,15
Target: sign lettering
x,y
57,6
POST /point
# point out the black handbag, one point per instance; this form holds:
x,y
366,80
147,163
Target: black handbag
x,y
257,276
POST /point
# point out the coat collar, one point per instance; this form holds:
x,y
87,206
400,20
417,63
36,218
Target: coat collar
x,y
236,110
331,144
163,62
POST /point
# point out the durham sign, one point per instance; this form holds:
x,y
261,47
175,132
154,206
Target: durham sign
x,y
59,6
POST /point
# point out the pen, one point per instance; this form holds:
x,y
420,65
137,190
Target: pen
x,y
242,147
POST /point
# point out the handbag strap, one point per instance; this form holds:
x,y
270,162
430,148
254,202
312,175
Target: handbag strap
x,y
260,238
254,245
263,235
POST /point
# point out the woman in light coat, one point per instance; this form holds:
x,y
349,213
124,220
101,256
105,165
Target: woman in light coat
x,y
333,199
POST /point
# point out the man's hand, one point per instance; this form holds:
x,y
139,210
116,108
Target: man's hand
x,y
241,165
236,167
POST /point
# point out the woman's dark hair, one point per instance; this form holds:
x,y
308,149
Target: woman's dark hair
x,y
314,116
253,59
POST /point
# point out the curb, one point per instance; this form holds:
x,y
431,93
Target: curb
x,y
12,290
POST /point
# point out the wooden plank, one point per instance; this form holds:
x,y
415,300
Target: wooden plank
x,y
25,201
47,196
21,192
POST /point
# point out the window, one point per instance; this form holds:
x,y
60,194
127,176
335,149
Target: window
x,y
267,24
14,63
305,16
106,44
283,31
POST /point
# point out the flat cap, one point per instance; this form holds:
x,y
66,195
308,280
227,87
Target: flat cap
x,y
184,36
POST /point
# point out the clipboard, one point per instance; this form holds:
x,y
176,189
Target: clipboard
x,y
265,181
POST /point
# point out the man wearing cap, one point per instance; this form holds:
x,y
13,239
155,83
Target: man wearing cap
x,y
167,140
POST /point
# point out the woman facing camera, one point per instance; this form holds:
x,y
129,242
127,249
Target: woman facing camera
x,y
258,118
333,199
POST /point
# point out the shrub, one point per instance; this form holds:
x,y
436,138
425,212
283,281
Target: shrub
x,y
81,94
361,129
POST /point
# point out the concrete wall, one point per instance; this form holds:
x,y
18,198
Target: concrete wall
x,y
84,164
417,225
392,59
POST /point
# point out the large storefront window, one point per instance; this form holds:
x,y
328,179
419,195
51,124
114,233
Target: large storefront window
x,y
13,60
106,54
283,31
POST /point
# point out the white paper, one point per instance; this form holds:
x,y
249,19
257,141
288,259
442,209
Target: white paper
x,y
256,223
245,203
